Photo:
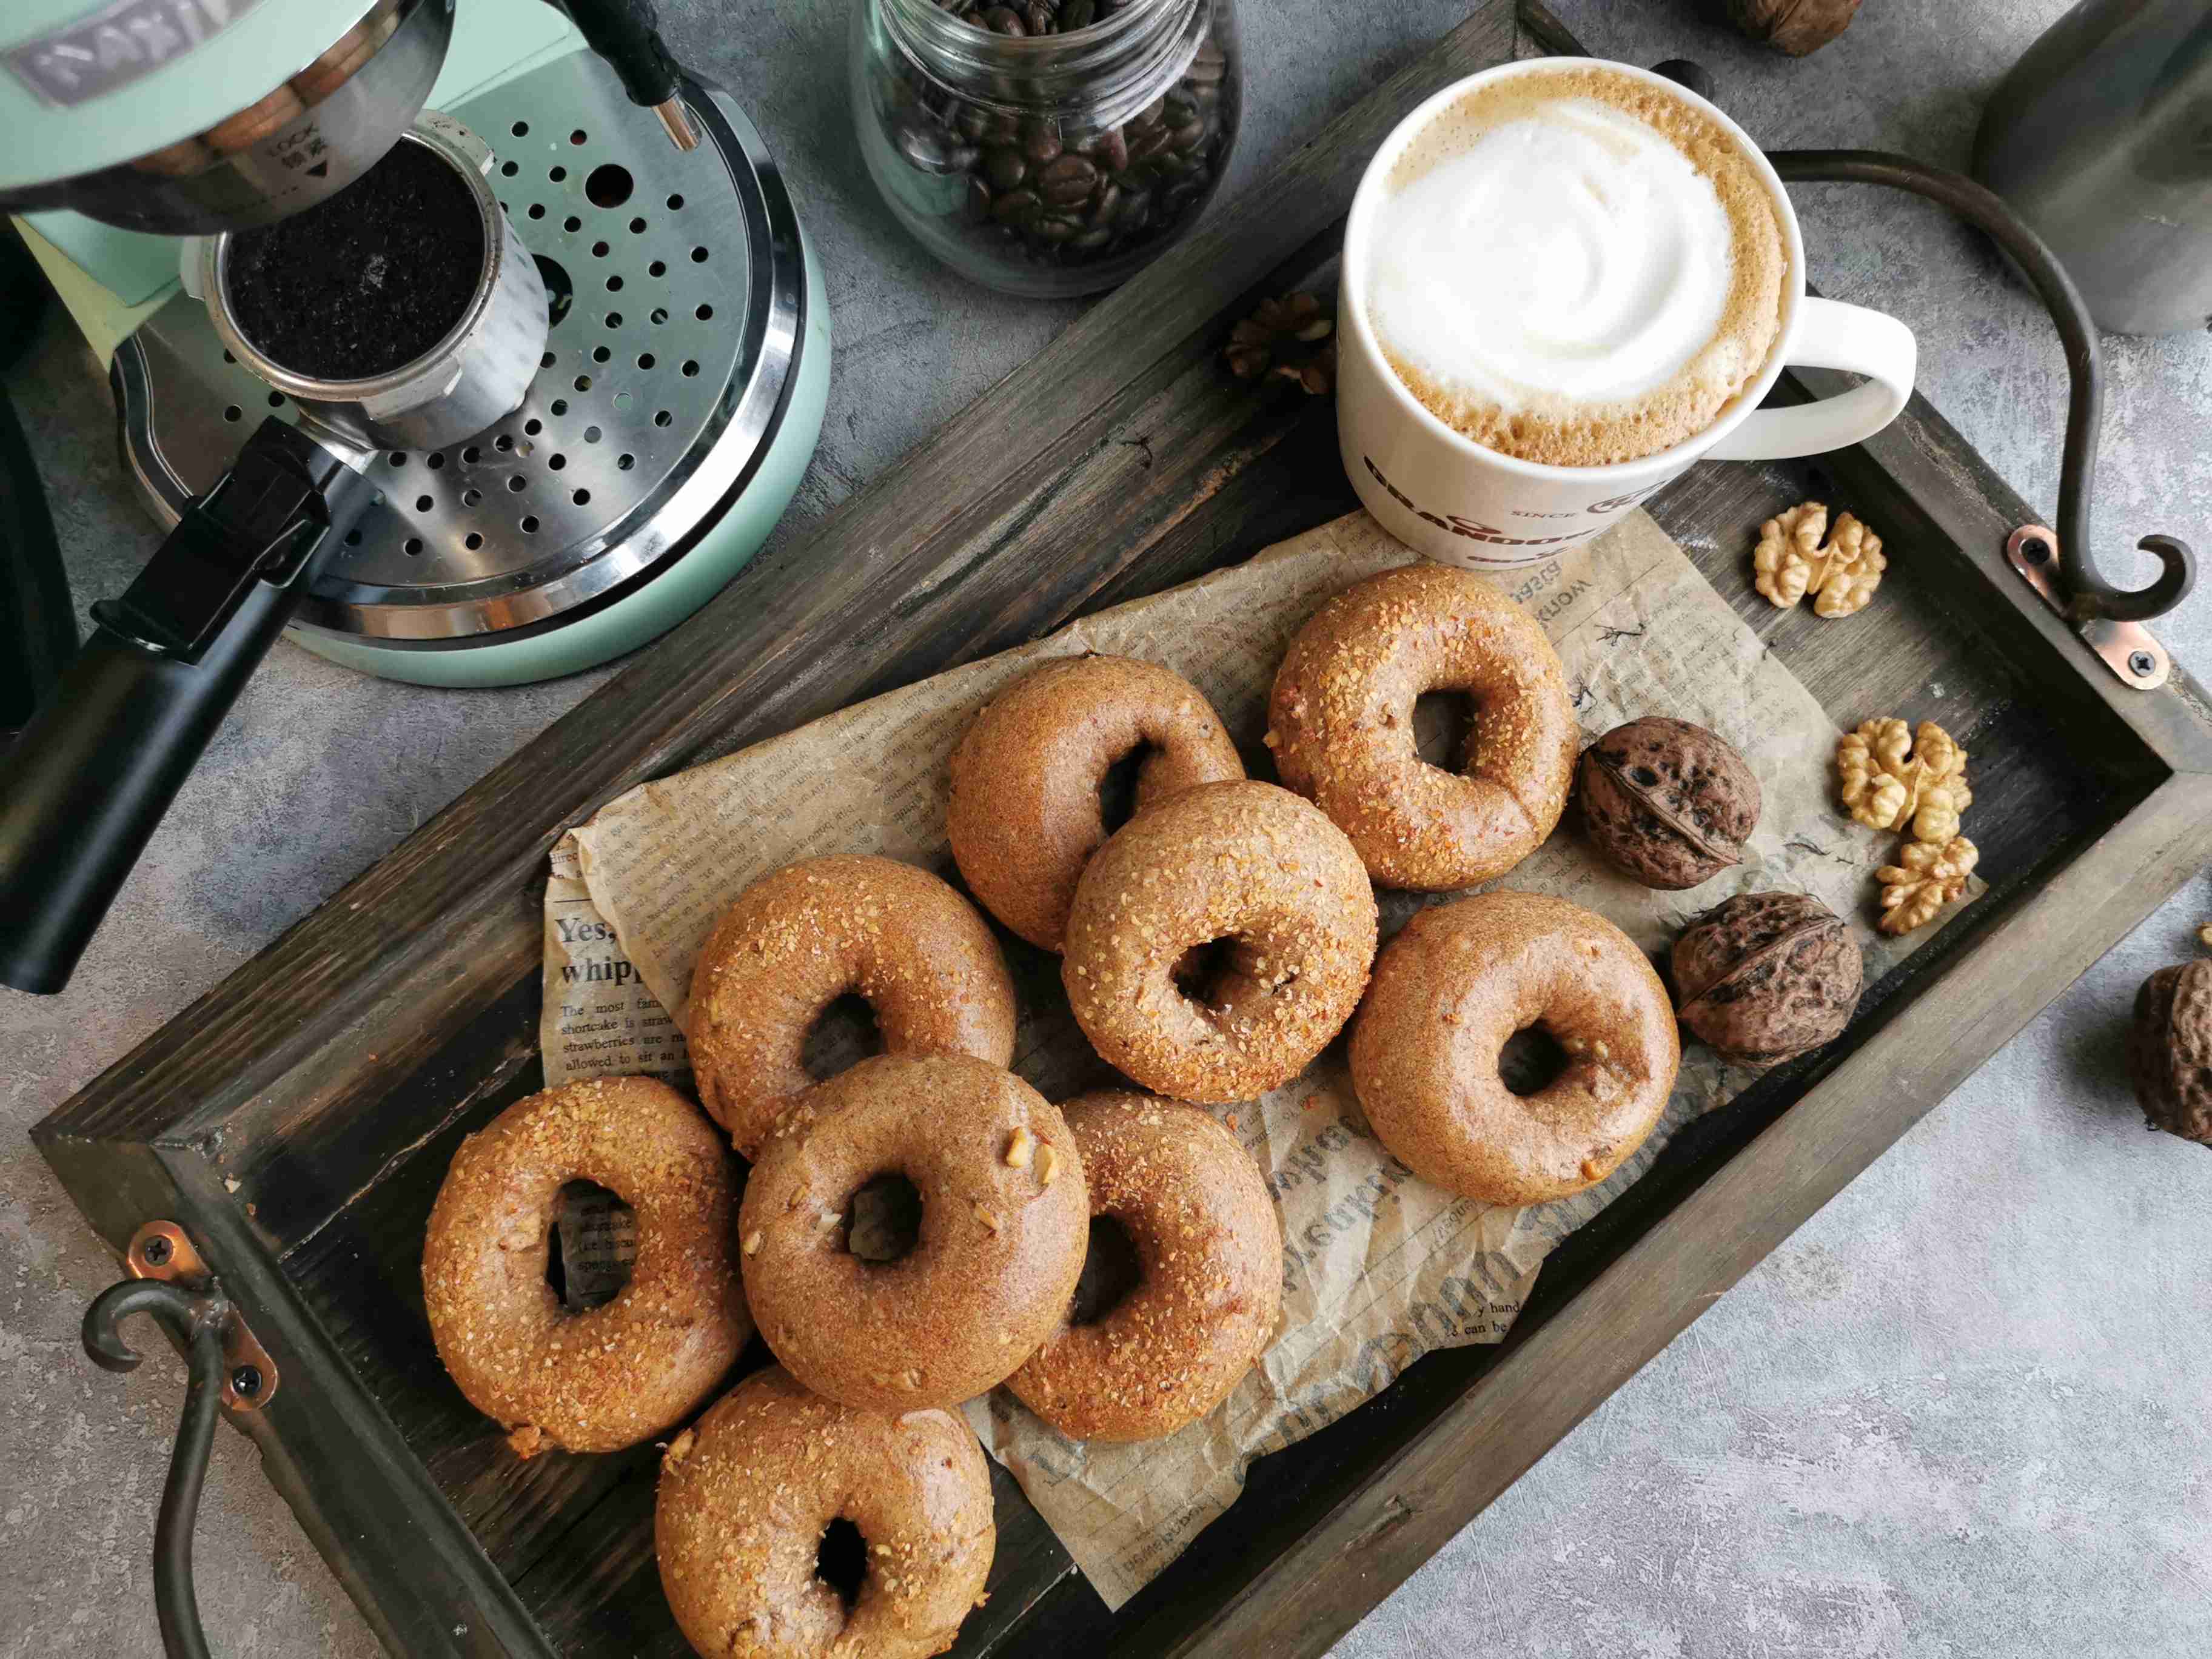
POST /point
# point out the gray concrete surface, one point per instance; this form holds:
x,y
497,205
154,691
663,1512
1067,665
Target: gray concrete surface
x,y
1961,1413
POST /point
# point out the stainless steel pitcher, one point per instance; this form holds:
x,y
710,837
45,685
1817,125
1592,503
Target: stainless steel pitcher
x,y
2101,138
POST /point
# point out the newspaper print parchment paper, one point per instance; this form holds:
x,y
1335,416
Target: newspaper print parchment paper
x,y
1378,1267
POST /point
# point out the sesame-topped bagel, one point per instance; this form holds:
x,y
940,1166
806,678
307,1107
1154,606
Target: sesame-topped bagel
x,y
1461,979
1244,865
749,1491
1196,1214
613,1375
795,941
1026,815
1003,1225
1341,726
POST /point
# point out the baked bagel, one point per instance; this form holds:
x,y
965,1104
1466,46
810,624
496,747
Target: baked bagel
x,y
616,1374
795,941
748,1493
1260,873
1026,814
1454,984
1000,1241
1197,1215
1341,726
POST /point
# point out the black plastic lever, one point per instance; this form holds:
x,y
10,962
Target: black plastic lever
x,y
84,788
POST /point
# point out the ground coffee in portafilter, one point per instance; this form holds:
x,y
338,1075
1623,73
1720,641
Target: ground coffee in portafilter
x,y
367,280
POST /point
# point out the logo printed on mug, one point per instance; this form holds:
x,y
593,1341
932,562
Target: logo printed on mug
x,y
1564,283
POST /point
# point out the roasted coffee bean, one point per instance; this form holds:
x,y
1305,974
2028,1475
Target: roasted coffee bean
x,y
1041,142
1068,180
1091,240
1003,20
1209,68
974,124
1039,17
1151,115
1146,143
1018,207
1110,150
1103,205
1189,136
1005,167
1056,228
1077,14
979,203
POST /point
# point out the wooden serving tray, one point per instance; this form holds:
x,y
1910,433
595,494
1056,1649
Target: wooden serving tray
x,y
297,1120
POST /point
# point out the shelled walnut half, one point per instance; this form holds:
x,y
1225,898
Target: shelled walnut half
x,y
1892,777
1790,561
1926,877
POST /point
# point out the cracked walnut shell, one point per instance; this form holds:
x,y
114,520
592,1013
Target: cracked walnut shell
x,y
1790,561
1892,776
1926,876
2170,1051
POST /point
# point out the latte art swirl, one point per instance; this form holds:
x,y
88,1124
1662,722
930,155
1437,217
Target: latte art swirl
x,y
1577,267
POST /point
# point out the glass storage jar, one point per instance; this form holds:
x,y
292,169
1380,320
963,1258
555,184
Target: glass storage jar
x,y
1047,147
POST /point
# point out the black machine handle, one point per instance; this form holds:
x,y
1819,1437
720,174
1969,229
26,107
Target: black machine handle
x,y
93,774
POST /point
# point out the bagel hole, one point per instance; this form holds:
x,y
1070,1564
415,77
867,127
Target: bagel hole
x,y
846,1033
1199,970
883,1221
1531,1060
840,1560
1110,1271
1443,728
593,1247
1117,787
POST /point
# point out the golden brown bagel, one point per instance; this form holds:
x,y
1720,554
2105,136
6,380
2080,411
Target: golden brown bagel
x,y
1004,1222
609,1377
1025,815
1243,862
1463,977
1209,1250
747,1492
795,941
1341,726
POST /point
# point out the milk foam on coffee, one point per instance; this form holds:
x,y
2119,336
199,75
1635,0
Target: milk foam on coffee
x,y
1576,267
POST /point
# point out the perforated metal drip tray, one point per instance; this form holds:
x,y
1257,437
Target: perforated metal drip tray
x,y
678,288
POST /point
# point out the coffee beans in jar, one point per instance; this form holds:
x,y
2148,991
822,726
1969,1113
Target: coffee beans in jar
x,y
1050,147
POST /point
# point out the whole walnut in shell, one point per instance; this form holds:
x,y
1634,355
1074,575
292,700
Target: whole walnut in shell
x,y
1766,977
2170,1050
1666,802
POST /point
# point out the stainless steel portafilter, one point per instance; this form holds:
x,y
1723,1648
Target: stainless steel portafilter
x,y
92,775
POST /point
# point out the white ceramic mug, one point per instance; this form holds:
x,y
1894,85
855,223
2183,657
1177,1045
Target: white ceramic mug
x,y
1446,496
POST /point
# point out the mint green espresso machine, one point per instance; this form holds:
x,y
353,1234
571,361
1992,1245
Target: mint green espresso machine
x,y
686,372
675,404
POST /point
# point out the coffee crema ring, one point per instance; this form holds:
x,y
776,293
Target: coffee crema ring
x,y
1259,875
1463,977
1025,815
1341,726
748,1491
612,1376
795,941
1196,1212
1004,1223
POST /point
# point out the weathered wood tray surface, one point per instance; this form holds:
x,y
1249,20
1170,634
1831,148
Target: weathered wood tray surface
x,y
331,1078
